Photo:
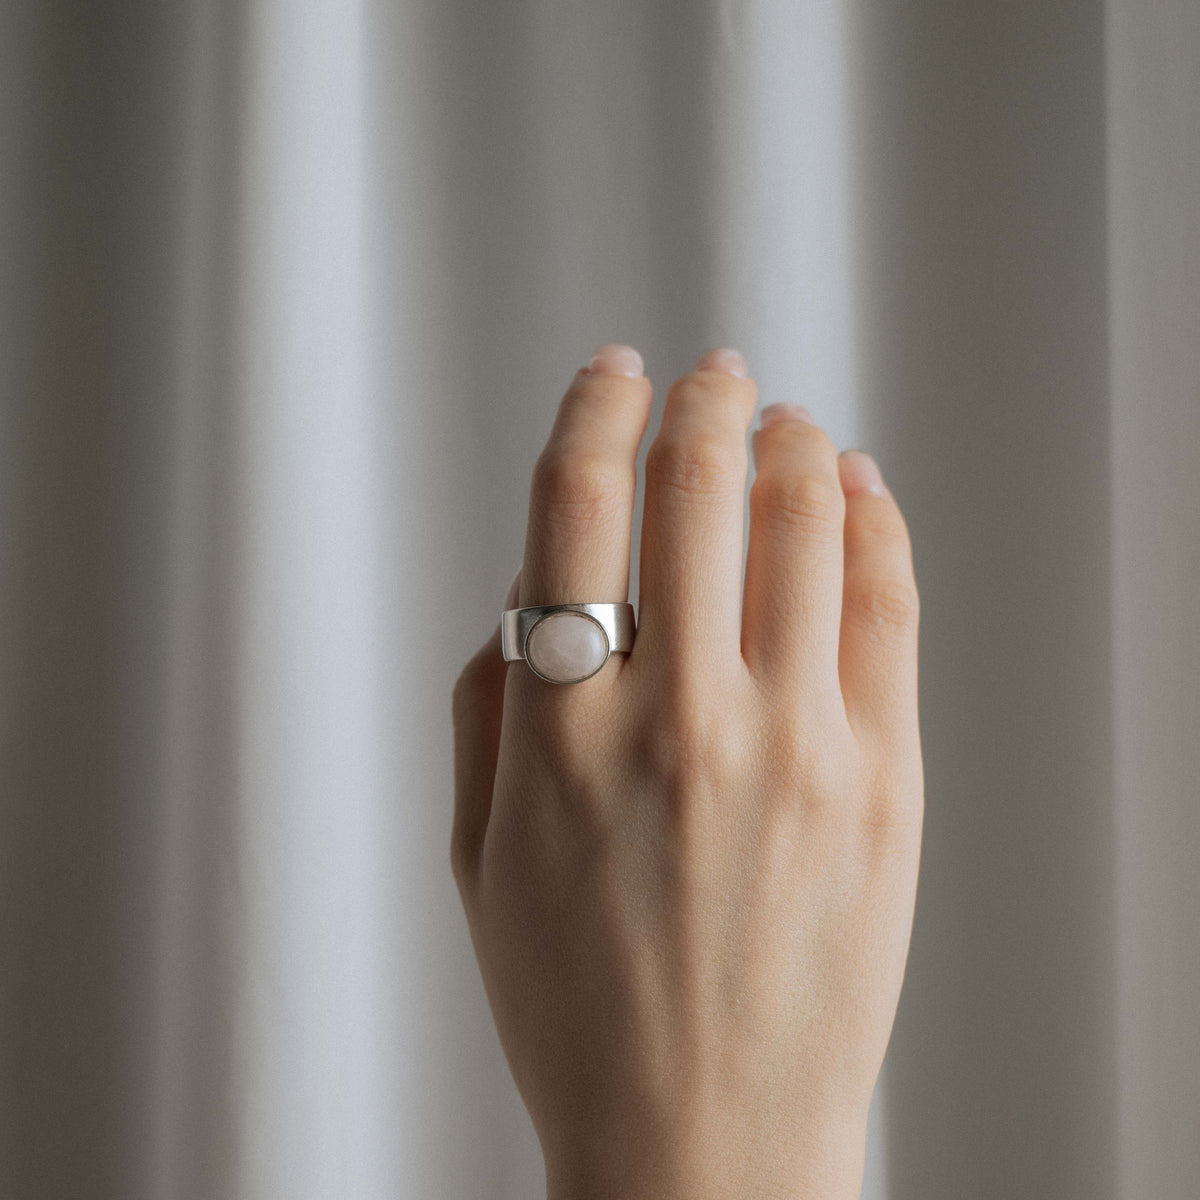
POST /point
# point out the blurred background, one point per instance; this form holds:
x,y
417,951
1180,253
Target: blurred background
x,y
289,291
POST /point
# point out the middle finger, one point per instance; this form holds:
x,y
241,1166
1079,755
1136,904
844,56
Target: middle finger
x,y
690,585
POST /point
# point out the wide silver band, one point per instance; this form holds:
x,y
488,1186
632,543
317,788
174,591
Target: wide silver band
x,y
615,621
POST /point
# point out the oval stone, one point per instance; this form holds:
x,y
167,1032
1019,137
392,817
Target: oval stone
x,y
566,647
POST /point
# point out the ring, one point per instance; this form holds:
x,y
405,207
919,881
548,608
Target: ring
x,y
566,643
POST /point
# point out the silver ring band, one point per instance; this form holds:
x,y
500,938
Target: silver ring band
x,y
566,643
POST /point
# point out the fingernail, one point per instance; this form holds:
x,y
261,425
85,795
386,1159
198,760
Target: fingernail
x,y
726,359
860,473
514,590
615,359
774,413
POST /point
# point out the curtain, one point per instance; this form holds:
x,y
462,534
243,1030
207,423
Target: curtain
x,y
289,290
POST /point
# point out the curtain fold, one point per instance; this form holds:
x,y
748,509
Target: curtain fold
x,y
288,294
1154,306
981,198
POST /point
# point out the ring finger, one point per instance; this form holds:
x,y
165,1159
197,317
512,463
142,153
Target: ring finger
x,y
582,494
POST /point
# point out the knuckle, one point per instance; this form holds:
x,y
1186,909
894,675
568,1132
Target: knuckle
x,y
820,438
613,393
687,746
471,688
697,465
464,695
888,607
577,486
793,435
804,504
826,442
810,775
881,523
702,387
797,765
568,729
890,813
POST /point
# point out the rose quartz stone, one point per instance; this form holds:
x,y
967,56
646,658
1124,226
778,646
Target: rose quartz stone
x,y
566,646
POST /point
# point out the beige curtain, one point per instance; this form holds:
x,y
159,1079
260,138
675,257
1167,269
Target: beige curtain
x,y
289,290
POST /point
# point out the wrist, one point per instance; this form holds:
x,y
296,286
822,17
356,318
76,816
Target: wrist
x,y
825,1166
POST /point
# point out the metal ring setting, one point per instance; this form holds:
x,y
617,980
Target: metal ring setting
x,y
566,643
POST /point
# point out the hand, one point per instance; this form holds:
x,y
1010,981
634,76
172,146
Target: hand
x,y
690,879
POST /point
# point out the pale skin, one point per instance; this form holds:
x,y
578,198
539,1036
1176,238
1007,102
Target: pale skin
x,y
690,879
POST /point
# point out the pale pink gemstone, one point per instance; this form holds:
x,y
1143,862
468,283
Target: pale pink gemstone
x,y
566,646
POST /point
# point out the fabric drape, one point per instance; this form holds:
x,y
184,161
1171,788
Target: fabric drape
x,y
289,290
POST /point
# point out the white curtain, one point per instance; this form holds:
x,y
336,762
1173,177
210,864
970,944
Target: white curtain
x,y
289,290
